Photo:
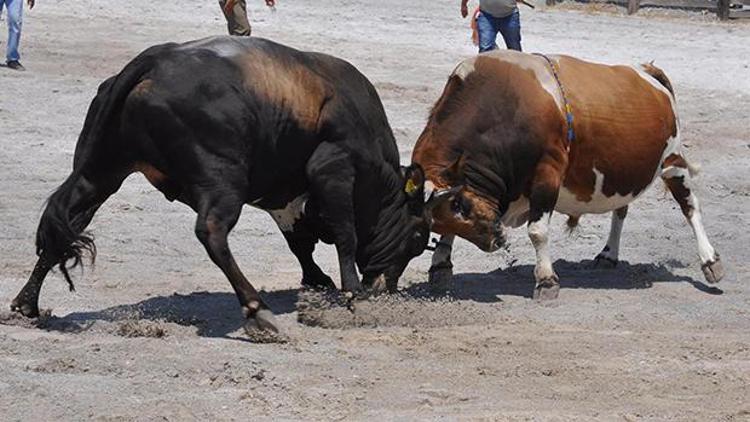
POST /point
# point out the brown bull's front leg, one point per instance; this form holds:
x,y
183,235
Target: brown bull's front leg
x,y
542,199
441,270
27,300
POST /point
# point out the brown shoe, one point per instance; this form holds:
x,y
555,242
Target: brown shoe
x,y
16,65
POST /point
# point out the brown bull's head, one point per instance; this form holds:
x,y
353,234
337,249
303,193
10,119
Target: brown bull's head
x,y
469,213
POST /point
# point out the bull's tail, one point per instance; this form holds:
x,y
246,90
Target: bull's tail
x,y
659,75
60,237
694,170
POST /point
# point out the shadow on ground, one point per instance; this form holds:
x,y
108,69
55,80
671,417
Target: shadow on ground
x,y
519,280
217,314
214,314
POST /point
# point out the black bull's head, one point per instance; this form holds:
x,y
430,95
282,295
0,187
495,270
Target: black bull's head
x,y
421,200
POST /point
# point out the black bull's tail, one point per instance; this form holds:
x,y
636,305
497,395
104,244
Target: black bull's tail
x,y
98,171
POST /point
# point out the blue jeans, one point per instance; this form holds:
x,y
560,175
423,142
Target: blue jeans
x,y
15,20
488,26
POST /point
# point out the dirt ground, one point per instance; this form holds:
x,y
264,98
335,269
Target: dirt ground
x,y
154,332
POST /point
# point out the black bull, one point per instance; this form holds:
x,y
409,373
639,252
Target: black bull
x,y
223,122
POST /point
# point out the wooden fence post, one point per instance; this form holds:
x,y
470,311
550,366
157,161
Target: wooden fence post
x,y
633,6
722,10
550,2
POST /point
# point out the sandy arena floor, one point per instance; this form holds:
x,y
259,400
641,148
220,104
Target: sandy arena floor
x,y
154,331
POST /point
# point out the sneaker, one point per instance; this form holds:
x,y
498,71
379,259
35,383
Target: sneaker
x,y
16,65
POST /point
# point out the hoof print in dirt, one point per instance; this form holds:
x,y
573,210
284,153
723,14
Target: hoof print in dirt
x,y
140,328
546,291
263,328
17,318
713,271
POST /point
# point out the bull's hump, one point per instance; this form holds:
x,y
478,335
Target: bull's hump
x,y
538,66
280,78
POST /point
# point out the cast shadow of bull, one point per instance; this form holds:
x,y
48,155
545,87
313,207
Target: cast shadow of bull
x,y
519,280
214,314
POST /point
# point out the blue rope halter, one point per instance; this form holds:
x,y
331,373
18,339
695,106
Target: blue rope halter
x,y
566,104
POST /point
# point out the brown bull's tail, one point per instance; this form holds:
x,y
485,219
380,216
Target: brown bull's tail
x,y
60,237
659,75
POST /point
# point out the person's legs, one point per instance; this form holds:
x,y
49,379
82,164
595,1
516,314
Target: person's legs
x,y
237,22
487,31
510,28
15,20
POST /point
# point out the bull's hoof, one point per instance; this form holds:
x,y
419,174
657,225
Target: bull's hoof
x,y
321,282
374,287
440,278
604,262
29,310
263,328
713,271
547,289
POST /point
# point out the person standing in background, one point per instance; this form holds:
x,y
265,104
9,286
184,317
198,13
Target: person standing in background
x,y
235,11
496,16
15,21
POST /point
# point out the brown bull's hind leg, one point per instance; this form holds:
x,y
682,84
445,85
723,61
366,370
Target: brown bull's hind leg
x,y
215,220
676,174
609,256
542,200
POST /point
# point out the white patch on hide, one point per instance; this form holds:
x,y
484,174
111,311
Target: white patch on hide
x,y
464,68
567,203
287,216
536,64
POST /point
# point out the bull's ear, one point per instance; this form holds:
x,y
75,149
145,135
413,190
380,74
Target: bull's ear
x,y
413,181
454,174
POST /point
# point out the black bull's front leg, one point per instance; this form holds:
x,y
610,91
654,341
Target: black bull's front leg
x,y
331,175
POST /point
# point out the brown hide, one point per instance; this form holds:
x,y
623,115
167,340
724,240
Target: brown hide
x,y
622,124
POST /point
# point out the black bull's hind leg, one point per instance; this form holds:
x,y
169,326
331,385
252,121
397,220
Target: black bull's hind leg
x,y
217,215
59,236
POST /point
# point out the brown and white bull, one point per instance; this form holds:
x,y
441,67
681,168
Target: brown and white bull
x,y
501,130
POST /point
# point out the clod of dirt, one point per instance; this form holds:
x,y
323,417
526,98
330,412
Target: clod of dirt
x,y
333,310
18,320
63,365
140,328
265,336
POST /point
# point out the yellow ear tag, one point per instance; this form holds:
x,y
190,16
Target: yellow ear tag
x,y
410,187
